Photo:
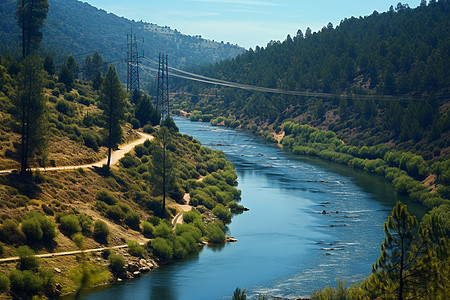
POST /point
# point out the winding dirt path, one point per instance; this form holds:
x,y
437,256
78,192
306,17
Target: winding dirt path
x,y
115,157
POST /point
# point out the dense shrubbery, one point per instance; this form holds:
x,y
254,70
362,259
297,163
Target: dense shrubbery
x,y
101,231
405,170
70,224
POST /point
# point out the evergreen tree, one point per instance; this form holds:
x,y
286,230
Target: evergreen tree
x,y
31,15
146,112
30,111
162,165
112,97
400,270
66,76
49,64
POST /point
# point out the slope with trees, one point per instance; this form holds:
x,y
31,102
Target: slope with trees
x,y
401,53
77,28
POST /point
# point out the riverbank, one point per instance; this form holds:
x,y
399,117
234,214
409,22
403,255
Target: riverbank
x,y
409,174
103,210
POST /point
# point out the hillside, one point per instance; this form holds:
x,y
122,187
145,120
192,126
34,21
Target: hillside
x,y
402,53
77,28
53,211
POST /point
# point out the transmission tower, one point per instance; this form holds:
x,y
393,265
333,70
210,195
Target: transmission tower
x,y
162,103
132,63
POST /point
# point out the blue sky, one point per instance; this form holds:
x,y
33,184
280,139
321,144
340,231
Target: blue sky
x,y
244,22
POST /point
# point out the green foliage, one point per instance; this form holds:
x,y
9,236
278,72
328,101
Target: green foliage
x,y
37,227
161,248
239,295
101,231
132,219
117,264
135,249
88,275
27,259
106,196
69,224
147,229
163,231
115,213
398,271
215,233
112,98
30,111
341,292
191,216
4,283
222,213
31,17
10,232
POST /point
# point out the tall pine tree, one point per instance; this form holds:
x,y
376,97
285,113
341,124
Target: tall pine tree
x,y
31,15
400,270
112,97
30,111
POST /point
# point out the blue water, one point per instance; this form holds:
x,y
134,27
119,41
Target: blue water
x,y
286,247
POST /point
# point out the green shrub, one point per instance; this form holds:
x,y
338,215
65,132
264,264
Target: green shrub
x,y
91,140
4,283
190,216
27,259
135,123
70,224
2,249
222,213
189,229
85,223
234,206
135,249
10,232
161,248
147,229
115,213
149,129
215,233
101,231
117,264
163,231
32,230
106,196
65,107
180,246
133,220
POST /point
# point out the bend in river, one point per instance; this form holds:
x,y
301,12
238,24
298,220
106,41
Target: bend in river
x,y
309,223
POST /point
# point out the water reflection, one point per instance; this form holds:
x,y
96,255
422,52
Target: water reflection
x,y
287,246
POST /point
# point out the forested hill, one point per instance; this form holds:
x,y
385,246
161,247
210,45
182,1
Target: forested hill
x,y
403,51
77,28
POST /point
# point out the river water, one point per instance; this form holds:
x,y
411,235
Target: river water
x,y
286,246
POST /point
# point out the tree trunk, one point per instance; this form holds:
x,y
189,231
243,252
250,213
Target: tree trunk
x,y
164,181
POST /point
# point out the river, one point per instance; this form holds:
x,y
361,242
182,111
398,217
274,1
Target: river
x,y
286,246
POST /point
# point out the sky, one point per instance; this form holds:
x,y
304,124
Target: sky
x,y
244,22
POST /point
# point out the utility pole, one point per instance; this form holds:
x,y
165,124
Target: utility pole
x,y
132,63
162,104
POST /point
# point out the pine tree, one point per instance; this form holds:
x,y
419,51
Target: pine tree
x,y
31,15
112,97
162,165
401,267
30,111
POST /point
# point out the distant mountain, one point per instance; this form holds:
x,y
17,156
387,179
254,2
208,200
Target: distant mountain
x,y
77,28
403,53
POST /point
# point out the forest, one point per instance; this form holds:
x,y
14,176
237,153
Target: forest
x,y
402,53
53,116
78,29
